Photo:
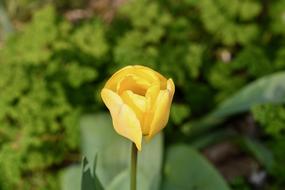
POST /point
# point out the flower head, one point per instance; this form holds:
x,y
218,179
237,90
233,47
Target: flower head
x,y
139,101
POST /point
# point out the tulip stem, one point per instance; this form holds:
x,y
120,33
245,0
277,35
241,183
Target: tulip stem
x,y
134,167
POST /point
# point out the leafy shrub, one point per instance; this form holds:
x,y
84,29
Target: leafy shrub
x,y
47,73
272,118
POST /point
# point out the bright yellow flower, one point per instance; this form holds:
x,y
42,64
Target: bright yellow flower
x,y
139,101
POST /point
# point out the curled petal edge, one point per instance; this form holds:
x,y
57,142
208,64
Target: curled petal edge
x,y
162,109
124,119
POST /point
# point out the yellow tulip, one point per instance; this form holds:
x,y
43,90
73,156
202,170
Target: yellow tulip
x,y
139,101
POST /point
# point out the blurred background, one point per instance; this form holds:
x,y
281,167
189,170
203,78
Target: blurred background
x,y
225,57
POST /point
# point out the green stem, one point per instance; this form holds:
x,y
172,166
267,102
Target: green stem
x,y
134,167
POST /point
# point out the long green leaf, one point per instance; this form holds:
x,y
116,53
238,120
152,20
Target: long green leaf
x,y
70,178
122,181
113,150
269,89
260,152
186,169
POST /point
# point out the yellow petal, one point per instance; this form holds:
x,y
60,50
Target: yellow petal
x,y
171,88
124,119
116,77
161,113
151,75
140,71
162,109
133,83
151,96
136,102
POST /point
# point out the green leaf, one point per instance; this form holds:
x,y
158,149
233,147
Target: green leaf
x,y
71,178
89,180
179,112
268,89
271,118
212,138
186,169
90,38
260,152
122,181
76,176
113,150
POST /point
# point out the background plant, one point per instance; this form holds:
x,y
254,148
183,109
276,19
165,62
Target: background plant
x,y
52,69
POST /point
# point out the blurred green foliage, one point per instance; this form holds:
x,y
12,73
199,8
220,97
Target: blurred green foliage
x,y
51,71
47,80
272,118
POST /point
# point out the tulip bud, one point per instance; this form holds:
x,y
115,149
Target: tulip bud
x,y
139,101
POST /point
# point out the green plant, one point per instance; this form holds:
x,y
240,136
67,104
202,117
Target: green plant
x,y
43,91
52,70
271,118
